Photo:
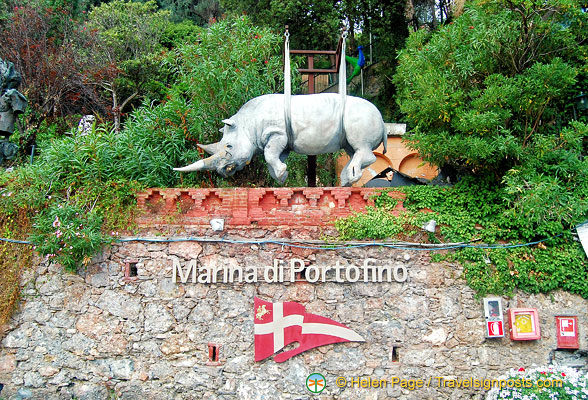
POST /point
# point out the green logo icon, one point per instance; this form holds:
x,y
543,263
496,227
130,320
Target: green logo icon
x,y
316,383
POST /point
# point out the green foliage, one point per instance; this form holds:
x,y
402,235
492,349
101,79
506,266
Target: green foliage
x,y
26,188
481,89
461,211
489,95
317,24
179,33
377,223
558,264
74,197
130,29
89,205
477,211
326,169
313,24
233,62
200,12
152,143
127,50
549,192
68,235
74,222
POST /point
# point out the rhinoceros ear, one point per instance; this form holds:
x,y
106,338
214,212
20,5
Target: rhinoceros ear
x,y
212,148
228,122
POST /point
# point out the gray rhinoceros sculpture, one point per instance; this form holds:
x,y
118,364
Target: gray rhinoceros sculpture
x,y
317,127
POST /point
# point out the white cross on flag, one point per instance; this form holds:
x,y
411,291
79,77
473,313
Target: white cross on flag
x,y
279,324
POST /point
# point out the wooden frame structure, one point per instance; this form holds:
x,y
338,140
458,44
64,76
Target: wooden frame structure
x,y
312,71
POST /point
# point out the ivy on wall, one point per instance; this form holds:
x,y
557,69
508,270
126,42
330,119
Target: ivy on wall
x,y
507,256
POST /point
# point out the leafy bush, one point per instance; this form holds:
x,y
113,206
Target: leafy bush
x,y
71,238
71,215
477,211
232,62
558,264
125,51
82,186
549,192
489,96
379,222
479,91
180,33
152,143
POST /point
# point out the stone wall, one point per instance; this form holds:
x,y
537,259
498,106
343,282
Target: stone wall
x,y
103,333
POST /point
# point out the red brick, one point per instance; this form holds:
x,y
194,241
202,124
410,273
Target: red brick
x,y
242,206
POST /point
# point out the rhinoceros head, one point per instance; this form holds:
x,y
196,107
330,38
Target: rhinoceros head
x,y
228,156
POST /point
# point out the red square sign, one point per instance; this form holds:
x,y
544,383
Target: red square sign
x,y
495,329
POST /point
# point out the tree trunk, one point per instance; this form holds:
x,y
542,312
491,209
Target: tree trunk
x,y
433,6
409,14
115,111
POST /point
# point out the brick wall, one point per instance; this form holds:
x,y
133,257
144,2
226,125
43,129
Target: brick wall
x,y
256,206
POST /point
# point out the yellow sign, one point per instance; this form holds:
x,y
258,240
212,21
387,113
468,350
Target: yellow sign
x,y
524,323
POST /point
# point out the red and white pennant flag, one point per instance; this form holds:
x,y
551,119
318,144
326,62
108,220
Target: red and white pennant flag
x,y
279,324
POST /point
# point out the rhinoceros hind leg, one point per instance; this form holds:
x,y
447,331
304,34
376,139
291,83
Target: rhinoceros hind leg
x,y
354,168
273,152
344,177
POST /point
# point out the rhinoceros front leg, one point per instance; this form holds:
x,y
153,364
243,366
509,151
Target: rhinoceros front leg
x,y
272,152
354,168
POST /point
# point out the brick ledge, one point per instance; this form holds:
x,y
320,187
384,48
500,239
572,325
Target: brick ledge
x,y
255,206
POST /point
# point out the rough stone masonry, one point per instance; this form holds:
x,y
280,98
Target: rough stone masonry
x,y
104,333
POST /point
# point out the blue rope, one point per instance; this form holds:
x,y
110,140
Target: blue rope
x,y
15,241
323,247
347,247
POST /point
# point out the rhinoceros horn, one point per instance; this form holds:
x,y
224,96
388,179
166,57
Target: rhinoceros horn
x,y
204,164
211,148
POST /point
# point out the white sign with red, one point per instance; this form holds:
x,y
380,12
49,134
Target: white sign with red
x,y
279,324
495,328
567,327
493,314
